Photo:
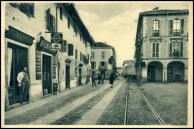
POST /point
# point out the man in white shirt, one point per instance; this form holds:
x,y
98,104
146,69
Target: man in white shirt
x,y
23,84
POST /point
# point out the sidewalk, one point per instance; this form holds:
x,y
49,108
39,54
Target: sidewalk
x,y
51,117
92,116
32,111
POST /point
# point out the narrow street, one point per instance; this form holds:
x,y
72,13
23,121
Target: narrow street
x,y
124,104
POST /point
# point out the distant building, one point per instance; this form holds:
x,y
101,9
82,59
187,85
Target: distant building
x,y
161,46
128,68
103,58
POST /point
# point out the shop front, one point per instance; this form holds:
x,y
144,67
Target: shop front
x,y
17,45
46,64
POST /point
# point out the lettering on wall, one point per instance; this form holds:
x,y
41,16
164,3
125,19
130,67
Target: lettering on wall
x,y
38,65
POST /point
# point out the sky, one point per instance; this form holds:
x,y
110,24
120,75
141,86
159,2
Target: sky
x,y
115,23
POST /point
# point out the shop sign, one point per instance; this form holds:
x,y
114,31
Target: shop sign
x,y
45,44
56,38
56,46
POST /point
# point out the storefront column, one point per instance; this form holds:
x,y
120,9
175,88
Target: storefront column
x,y
164,80
6,79
185,74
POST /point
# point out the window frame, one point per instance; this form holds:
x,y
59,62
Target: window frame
x,y
156,28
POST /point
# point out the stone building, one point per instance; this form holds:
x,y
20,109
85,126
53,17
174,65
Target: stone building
x,y
161,46
103,59
51,41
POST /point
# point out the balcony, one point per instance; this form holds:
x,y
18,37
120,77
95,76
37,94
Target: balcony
x,y
156,33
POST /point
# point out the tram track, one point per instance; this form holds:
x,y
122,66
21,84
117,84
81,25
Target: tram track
x,y
152,109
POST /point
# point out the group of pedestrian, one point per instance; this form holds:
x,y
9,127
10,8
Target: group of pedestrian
x,y
101,79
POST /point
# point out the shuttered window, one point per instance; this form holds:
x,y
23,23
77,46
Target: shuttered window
x,y
68,20
61,13
64,46
156,26
70,50
182,26
27,8
170,50
76,54
155,50
50,21
176,48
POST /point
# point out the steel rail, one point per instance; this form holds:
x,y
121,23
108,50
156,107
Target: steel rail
x,y
153,110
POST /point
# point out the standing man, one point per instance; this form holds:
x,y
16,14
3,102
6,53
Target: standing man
x,y
24,84
112,79
93,79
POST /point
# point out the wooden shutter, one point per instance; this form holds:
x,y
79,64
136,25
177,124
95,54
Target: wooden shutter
x,y
182,26
181,51
68,22
48,19
170,50
61,13
157,49
171,26
153,50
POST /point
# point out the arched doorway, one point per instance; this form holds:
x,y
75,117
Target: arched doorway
x,y
155,72
175,72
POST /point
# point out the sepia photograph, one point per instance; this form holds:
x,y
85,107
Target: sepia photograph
x,y
102,64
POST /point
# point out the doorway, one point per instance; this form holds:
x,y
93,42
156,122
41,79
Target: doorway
x,y
175,72
17,62
67,77
155,72
46,80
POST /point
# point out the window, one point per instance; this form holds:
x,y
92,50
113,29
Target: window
x,y
64,46
177,27
155,50
68,22
80,56
61,13
76,54
176,49
27,8
70,50
156,28
103,55
93,64
102,63
75,30
92,55
50,21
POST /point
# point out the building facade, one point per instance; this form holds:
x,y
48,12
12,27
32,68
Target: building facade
x,y
103,59
31,41
161,46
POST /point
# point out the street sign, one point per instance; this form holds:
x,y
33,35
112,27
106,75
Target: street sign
x,y
57,38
